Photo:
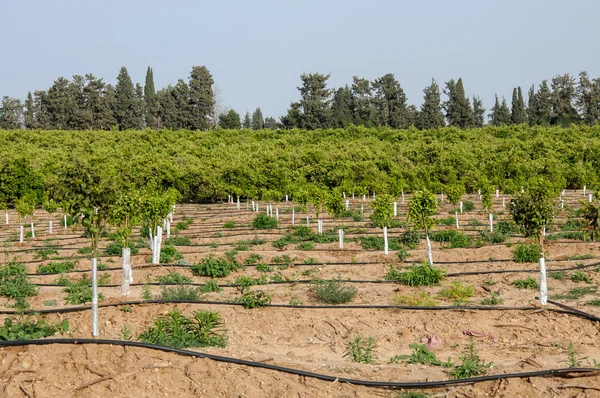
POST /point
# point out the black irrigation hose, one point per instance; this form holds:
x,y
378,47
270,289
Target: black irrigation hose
x,y
302,373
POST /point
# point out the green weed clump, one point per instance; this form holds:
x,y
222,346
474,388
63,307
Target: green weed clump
x,y
211,286
361,349
203,329
15,285
527,283
178,241
471,364
56,268
454,238
173,278
262,221
229,224
526,253
457,292
580,276
492,299
419,275
254,299
421,299
80,291
576,293
214,267
333,291
181,292
116,249
184,224
421,355
28,327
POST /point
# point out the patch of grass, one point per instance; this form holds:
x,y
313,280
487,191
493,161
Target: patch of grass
x,y
361,349
282,260
229,224
85,250
276,278
421,299
262,221
254,299
419,275
526,253
178,241
594,303
421,355
169,254
558,275
243,282
15,285
492,299
527,283
305,246
181,292
505,227
471,364
254,258
264,268
50,303
468,206
295,301
213,267
310,261
580,276
576,293
44,254
581,257
80,291
454,238
56,268
173,278
457,292
184,224
146,293
574,359
569,235
29,327
447,221
475,223
333,291
411,394
116,249
203,329
211,286
493,237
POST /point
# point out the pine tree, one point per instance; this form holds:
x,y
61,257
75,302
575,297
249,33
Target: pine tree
x,y
29,113
315,101
431,116
518,114
563,93
257,120
165,108
533,115
458,109
150,102
544,104
11,113
201,98
230,120
478,112
181,115
341,107
138,107
412,116
247,123
107,105
500,114
294,118
125,101
271,123
41,113
390,102
587,100
364,112
61,108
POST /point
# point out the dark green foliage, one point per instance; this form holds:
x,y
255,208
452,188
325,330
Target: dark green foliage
x,y
56,268
471,364
526,253
580,276
254,299
468,206
116,249
500,114
230,120
229,225
169,254
431,115
15,285
181,292
204,329
518,113
254,258
184,224
80,291
213,267
333,291
44,254
528,283
458,109
572,235
178,241
421,355
211,286
576,293
505,227
454,238
201,98
126,103
418,275
30,328
262,221
282,260
173,278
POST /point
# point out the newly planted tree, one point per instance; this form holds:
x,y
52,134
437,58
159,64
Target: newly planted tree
x,y
154,208
383,211
50,206
420,209
318,195
90,194
532,210
24,208
335,207
455,193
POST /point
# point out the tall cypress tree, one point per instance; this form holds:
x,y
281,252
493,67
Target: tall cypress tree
x,y
138,107
500,114
587,99
518,115
150,102
257,120
29,112
431,116
41,113
544,104
201,98
478,112
458,109
533,113
563,94
390,102
125,101
61,107
364,112
247,122
341,107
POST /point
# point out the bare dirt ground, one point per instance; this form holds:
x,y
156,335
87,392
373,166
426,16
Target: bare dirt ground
x,y
309,339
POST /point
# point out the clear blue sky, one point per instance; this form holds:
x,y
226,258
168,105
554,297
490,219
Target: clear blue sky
x,y
256,50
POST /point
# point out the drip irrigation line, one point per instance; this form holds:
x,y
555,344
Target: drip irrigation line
x,y
563,372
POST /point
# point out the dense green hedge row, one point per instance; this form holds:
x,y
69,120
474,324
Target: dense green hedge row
x,y
208,165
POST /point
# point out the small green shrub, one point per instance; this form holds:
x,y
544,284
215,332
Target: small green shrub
x,y
254,258
169,254
569,235
243,282
418,275
421,299
116,249
178,241
15,284
457,292
44,254
421,355
282,260
471,364
262,221
80,291
526,253
528,283
85,250
580,276
305,246
333,291
28,327
454,238
254,299
211,286
264,268
468,206
492,299
360,349
229,224
213,267
184,224
173,278
204,329
558,275
181,292
447,221
576,293
56,268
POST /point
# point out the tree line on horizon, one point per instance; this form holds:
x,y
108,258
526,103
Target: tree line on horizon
x,y
87,102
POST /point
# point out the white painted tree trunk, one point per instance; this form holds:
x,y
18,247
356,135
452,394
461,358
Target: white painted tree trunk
x,y
590,198
442,197
50,227
503,202
6,216
402,196
127,275
460,205
95,331
347,204
456,216
293,216
252,205
385,241
352,195
320,226
497,193
562,204
341,237
584,190
171,215
491,222
21,235
429,254
32,231
395,209
307,222
277,214
362,208
286,198
151,242
238,203
364,197
543,283
65,221
168,229
344,194
256,207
